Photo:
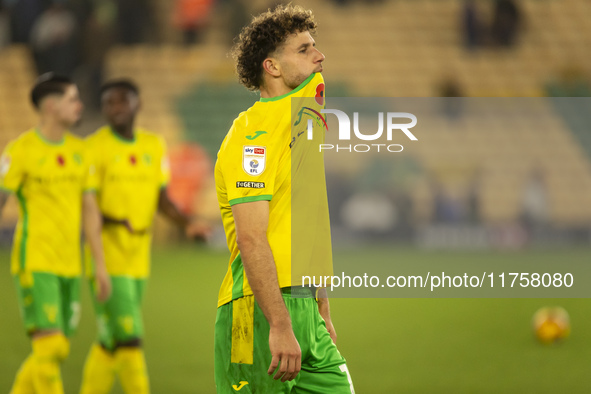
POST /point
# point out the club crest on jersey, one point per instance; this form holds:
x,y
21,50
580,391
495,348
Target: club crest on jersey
x,y
253,159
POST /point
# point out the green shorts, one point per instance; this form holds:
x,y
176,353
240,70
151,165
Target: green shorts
x,y
119,319
242,355
48,301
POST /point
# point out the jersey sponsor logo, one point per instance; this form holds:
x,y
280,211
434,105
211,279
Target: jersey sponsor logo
x,y
250,185
239,387
254,159
129,178
53,180
256,135
4,165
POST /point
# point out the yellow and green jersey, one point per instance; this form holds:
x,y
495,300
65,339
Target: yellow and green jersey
x,y
49,179
130,175
255,163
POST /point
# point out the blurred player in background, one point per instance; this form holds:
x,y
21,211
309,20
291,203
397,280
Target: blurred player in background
x,y
267,322
133,172
49,171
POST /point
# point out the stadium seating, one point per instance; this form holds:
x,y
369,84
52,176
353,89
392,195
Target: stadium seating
x,y
16,77
392,48
404,49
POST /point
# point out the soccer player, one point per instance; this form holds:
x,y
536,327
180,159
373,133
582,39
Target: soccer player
x,y
133,172
49,172
272,334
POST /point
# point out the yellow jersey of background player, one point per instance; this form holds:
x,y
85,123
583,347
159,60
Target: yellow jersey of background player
x,y
132,176
49,171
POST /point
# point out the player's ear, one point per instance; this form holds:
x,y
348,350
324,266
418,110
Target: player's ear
x,y
272,67
47,105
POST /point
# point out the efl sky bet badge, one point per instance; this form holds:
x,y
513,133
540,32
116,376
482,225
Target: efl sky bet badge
x,y
253,159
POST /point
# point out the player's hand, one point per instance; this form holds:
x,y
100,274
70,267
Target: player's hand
x,y
128,226
331,330
285,352
132,230
324,311
198,229
103,285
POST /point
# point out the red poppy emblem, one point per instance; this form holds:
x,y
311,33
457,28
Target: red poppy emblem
x,y
320,94
132,160
60,160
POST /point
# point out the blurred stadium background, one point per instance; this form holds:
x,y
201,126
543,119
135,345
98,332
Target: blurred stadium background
x,y
530,196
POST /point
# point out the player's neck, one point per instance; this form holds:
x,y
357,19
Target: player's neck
x,y
51,130
125,132
274,88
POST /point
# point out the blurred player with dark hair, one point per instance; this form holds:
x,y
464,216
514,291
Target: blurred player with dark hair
x,y
48,170
267,322
133,173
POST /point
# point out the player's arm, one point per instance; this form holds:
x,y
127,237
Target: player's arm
x,y
3,198
251,221
170,210
92,222
12,172
194,227
109,221
324,309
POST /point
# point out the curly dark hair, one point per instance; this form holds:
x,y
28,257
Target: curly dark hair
x,y
49,84
263,36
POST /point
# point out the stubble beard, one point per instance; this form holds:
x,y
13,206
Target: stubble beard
x,y
296,81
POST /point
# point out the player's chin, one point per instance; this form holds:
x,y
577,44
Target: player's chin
x,y
118,124
76,121
319,69
120,120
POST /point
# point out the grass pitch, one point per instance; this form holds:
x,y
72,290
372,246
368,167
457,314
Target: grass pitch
x,y
391,345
